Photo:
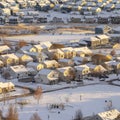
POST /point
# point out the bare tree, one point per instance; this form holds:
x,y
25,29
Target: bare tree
x,y
118,117
38,93
112,52
12,113
35,116
78,115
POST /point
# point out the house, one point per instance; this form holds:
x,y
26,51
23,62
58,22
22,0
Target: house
x,y
55,54
69,52
57,46
66,62
104,39
37,66
95,10
39,48
14,20
24,58
50,64
116,46
114,38
41,19
66,74
41,57
107,115
2,20
6,87
75,19
83,51
47,76
92,42
28,48
103,19
80,60
81,71
18,71
6,11
28,19
4,49
115,19
90,19
31,71
9,59
102,29
47,45
112,66
96,69
57,19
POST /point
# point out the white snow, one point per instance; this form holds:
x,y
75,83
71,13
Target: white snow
x,y
92,102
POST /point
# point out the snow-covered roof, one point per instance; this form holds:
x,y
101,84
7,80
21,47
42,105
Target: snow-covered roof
x,y
64,60
13,56
35,64
45,71
6,84
109,115
4,48
63,69
19,68
81,67
49,62
112,63
102,36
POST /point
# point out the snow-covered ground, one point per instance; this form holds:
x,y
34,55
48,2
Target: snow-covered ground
x,y
47,37
92,101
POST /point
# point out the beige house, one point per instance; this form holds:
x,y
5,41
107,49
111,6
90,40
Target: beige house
x,y
92,42
81,71
39,48
4,49
46,44
96,69
50,64
6,87
66,74
9,59
83,51
112,66
24,58
107,115
35,65
104,39
69,52
55,54
47,76
66,62
116,46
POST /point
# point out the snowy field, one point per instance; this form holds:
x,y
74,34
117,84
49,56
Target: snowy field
x,y
47,37
92,101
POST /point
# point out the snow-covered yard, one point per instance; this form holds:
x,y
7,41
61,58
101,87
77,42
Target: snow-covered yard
x,y
90,99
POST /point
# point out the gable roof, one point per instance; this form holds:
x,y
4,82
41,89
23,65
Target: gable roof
x,y
111,115
45,71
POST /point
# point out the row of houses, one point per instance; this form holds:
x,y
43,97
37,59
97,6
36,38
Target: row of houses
x,y
67,74
64,63
100,19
